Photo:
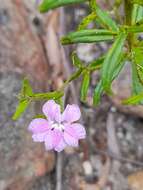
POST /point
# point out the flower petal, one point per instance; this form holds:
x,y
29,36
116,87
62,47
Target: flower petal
x,y
70,136
52,111
49,140
79,130
40,137
60,146
57,137
38,125
72,113
52,139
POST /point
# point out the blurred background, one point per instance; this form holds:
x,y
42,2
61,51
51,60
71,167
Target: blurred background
x,y
111,157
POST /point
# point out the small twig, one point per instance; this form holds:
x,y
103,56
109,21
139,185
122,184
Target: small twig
x,y
119,158
104,175
59,171
111,135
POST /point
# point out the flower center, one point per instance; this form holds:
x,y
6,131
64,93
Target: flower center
x,y
58,126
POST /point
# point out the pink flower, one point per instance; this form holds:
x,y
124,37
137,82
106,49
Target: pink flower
x,y
58,130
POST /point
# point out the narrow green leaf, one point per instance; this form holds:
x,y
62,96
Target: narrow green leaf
x,y
134,99
137,77
97,93
47,5
106,20
39,116
85,86
137,14
137,86
91,32
92,4
86,21
23,104
112,61
88,36
47,96
139,2
74,76
137,71
26,89
96,64
99,88
86,39
76,61
135,29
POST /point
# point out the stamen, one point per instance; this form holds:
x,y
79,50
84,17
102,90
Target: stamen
x,y
58,126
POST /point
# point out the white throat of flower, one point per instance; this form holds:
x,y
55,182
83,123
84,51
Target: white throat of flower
x,y
58,126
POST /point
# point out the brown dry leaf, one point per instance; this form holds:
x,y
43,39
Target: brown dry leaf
x,y
135,180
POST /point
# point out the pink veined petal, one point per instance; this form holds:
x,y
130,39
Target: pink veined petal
x,y
57,137
52,139
38,125
70,136
40,137
49,140
52,111
72,113
60,146
79,130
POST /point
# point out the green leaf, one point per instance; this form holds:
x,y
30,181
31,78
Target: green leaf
x,y
134,99
137,14
91,32
96,64
137,86
47,96
88,39
97,93
76,61
88,36
92,4
85,85
74,76
137,76
46,5
137,71
86,21
39,116
23,104
135,29
99,88
26,89
139,2
105,19
112,60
